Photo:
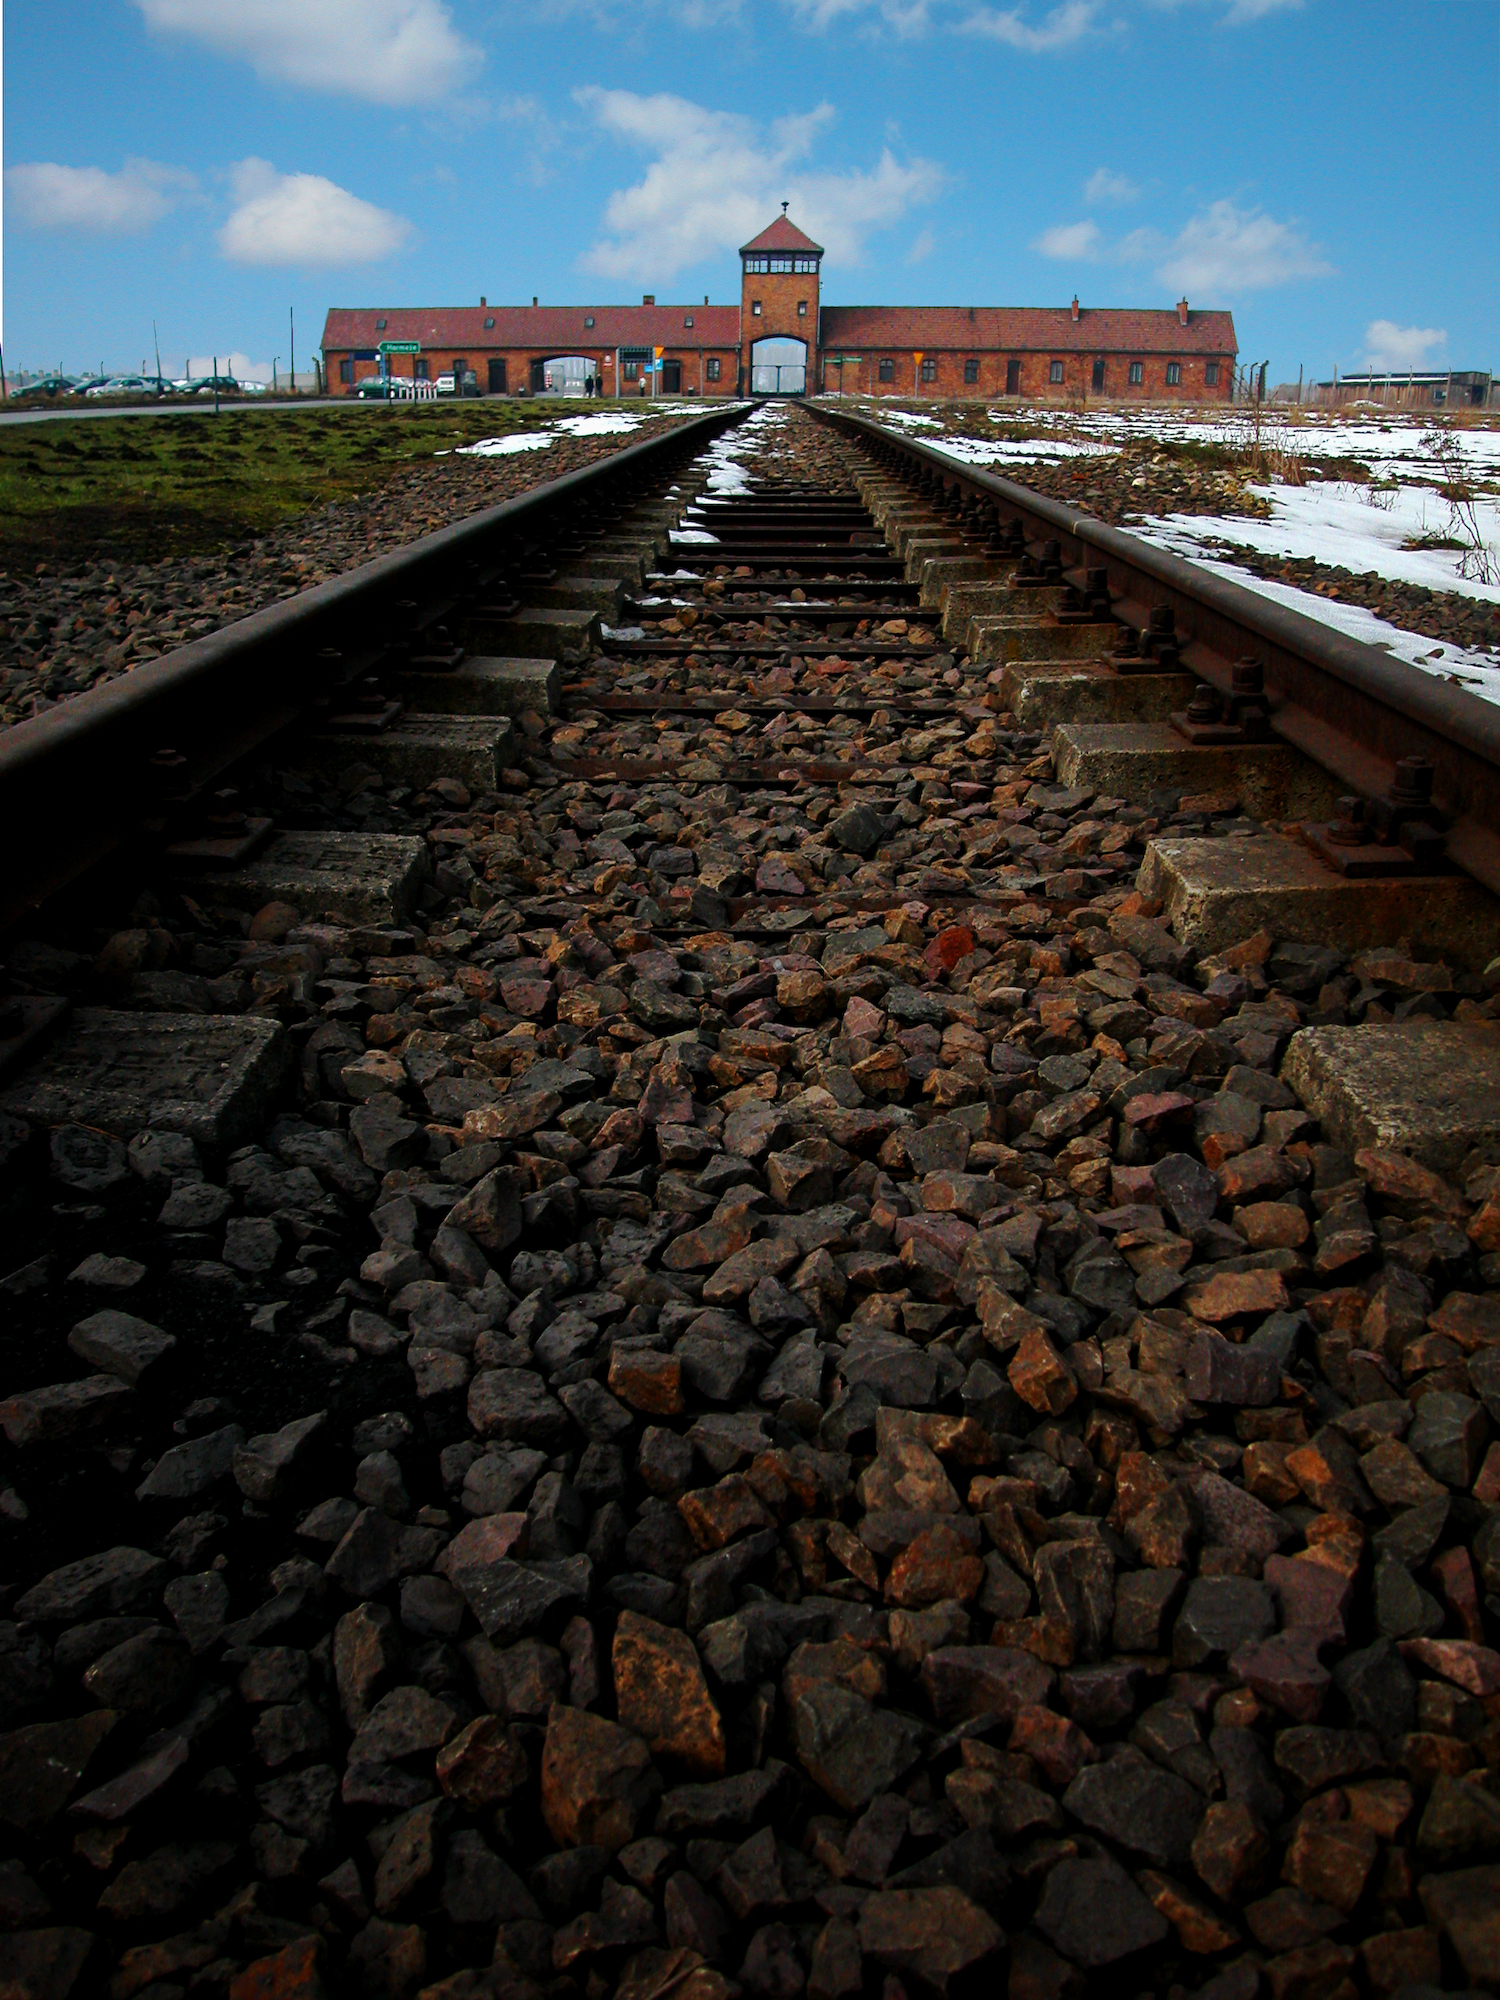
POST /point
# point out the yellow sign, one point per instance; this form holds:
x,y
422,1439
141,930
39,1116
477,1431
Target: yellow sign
x,y
916,354
658,352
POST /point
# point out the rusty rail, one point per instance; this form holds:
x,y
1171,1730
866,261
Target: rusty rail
x,y
1349,707
79,780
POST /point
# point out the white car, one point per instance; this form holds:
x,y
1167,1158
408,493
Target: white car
x,y
123,385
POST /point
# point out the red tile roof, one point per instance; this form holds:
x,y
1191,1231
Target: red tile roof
x,y
782,235
547,329
1025,329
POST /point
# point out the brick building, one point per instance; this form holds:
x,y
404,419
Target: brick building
x,y
782,340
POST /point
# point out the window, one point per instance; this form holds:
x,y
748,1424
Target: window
x,y
1174,373
489,323
887,371
1012,378
419,369
1098,376
346,371
1055,372
1211,374
757,263
687,319
780,264
497,376
802,308
631,370
1137,374
711,368
971,371
755,307
380,326
929,370
588,319
804,263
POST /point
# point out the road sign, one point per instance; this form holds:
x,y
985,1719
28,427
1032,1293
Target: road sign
x,y
916,354
658,352
400,347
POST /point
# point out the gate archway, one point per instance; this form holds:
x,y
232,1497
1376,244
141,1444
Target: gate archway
x,y
562,374
778,367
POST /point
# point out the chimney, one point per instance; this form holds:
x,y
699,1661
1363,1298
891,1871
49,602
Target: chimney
x,y
533,298
705,298
648,298
1182,312
1074,307
483,300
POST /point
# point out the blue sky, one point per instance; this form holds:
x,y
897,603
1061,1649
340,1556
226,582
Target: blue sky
x,y
1325,168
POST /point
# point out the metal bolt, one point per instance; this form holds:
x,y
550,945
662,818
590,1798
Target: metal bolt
x,y
1163,620
1412,785
1206,704
1247,677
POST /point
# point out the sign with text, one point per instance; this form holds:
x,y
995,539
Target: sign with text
x,y
400,347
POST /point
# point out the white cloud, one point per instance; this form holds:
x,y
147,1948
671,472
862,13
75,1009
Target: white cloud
x,y
1390,346
717,177
389,51
1229,250
1070,239
1257,10
304,219
905,18
42,195
923,245
1060,29
1102,185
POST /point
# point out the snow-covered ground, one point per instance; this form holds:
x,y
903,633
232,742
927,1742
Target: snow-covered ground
x,y
603,423
1343,523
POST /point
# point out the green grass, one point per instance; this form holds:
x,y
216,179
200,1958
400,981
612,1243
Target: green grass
x,y
141,489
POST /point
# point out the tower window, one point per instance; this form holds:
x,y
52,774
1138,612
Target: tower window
x,y
757,263
755,307
1055,372
781,264
804,264
802,308
1174,373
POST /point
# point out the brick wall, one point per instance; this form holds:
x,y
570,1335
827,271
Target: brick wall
x,y
779,293
861,376
518,362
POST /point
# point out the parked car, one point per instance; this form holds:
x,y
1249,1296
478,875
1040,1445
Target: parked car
x,y
447,386
124,385
375,389
204,385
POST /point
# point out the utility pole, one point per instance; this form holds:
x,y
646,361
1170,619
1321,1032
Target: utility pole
x,y
216,385
291,320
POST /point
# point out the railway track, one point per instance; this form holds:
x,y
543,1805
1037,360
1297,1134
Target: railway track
x,y
753,1242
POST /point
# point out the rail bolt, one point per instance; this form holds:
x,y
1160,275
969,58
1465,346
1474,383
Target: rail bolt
x,y
1348,830
1163,621
1411,788
169,774
1247,677
1206,705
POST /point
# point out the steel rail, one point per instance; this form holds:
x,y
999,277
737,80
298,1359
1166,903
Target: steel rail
x,y
1348,706
78,780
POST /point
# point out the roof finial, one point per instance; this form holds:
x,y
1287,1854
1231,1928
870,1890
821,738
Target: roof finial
x,y
785,206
